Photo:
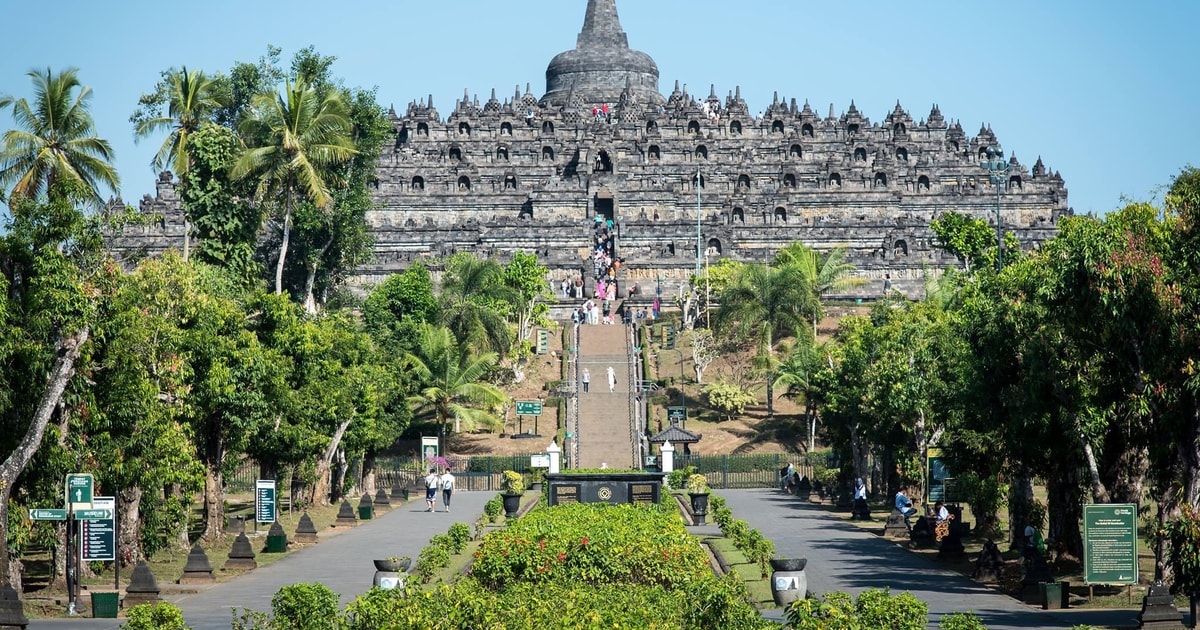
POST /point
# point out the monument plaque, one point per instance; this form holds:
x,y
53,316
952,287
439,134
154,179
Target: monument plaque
x,y
564,493
643,493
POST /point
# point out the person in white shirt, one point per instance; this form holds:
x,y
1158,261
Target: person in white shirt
x,y
612,379
447,484
431,488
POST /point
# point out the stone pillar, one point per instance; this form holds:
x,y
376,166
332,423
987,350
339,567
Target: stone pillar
x,y
668,457
555,457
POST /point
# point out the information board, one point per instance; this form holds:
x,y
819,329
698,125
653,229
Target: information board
x,y
98,537
541,460
264,501
676,415
1110,544
79,490
429,446
529,408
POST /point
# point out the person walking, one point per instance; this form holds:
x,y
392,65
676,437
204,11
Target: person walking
x,y
431,486
447,483
587,380
612,379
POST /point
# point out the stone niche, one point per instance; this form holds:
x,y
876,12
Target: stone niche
x,y
612,488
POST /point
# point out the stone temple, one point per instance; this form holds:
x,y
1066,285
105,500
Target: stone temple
x,y
685,177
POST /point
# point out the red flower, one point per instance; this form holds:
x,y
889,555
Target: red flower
x,y
561,556
584,541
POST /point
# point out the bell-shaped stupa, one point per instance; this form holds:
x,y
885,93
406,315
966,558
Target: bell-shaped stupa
x,y
602,64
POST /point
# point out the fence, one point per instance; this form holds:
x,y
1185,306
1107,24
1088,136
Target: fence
x,y
744,471
481,473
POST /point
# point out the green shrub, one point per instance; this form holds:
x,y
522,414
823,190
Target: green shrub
x,y
513,482
160,616
460,534
305,606
728,399
962,621
493,509
432,558
873,609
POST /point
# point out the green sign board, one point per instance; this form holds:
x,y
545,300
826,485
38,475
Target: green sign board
x,y
52,514
668,336
676,414
80,487
1110,544
264,501
94,514
98,537
529,408
543,341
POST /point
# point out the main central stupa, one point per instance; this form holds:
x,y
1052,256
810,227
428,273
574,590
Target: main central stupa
x,y
602,65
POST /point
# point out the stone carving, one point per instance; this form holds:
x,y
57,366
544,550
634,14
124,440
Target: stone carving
x,y
306,532
241,556
345,515
12,611
143,587
382,502
197,570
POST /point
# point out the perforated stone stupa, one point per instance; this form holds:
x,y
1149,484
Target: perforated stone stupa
x,y
686,178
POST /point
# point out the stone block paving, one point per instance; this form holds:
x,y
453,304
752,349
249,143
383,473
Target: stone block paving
x,y
603,416
843,557
342,562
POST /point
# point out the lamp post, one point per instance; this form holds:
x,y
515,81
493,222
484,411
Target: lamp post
x,y
998,169
698,215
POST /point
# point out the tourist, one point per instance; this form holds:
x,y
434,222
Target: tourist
x,y
904,506
785,476
860,489
431,488
587,379
612,379
447,483
940,513
655,308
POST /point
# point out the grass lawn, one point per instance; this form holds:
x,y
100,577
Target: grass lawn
x,y
758,587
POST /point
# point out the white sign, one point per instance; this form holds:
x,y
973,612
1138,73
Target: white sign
x,y
429,447
541,460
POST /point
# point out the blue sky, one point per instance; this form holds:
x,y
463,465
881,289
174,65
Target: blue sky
x,y
1103,90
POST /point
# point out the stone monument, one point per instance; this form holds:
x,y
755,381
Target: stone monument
x,y
1158,610
241,556
306,532
143,587
12,610
382,502
197,570
345,515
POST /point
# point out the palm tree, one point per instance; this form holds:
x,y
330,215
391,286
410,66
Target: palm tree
x,y
765,303
452,382
796,374
296,139
473,289
55,141
192,97
821,274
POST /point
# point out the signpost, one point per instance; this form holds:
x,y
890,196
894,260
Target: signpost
x,y
429,447
528,408
98,536
1110,544
543,341
51,514
264,501
79,491
541,460
676,415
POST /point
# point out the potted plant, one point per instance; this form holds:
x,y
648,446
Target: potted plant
x,y
512,489
393,564
537,477
697,489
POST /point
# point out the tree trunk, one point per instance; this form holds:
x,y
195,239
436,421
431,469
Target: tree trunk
x,y
1099,492
129,505
68,349
369,464
214,501
180,535
858,452
283,244
320,489
1020,497
1065,509
339,488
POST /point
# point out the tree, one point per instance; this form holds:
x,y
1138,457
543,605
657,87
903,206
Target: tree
x,y
451,383
764,303
967,238
476,303
526,280
296,138
224,218
820,274
56,141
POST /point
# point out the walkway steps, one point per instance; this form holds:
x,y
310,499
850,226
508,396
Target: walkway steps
x,y
604,437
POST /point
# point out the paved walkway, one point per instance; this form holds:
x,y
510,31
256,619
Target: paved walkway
x,y
843,557
604,437
343,563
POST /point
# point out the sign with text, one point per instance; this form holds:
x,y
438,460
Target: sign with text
x,y
529,408
429,447
264,501
541,460
1110,544
80,487
543,341
676,415
51,514
98,537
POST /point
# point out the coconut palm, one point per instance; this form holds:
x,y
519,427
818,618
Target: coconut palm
x,y
453,382
192,97
822,274
474,303
55,140
296,139
765,303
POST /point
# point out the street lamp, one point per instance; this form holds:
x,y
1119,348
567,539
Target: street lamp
x,y
998,169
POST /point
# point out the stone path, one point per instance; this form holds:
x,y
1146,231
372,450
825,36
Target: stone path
x,y
843,557
343,563
603,416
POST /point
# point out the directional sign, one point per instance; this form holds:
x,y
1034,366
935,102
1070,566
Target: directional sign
x,y
79,490
52,514
93,514
543,341
676,415
1110,544
264,501
529,408
98,538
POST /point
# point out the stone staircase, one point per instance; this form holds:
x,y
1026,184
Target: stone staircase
x,y
604,435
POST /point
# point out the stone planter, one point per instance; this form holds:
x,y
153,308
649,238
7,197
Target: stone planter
x,y
699,506
393,566
788,580
536,486
512,504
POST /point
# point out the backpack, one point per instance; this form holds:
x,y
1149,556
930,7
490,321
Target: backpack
x,y
1038,542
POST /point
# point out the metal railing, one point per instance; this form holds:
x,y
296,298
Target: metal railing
x,y
743,471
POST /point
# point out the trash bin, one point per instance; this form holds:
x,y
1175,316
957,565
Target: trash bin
x,y
276,544
1066,594
1052,595
364,512
105,605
